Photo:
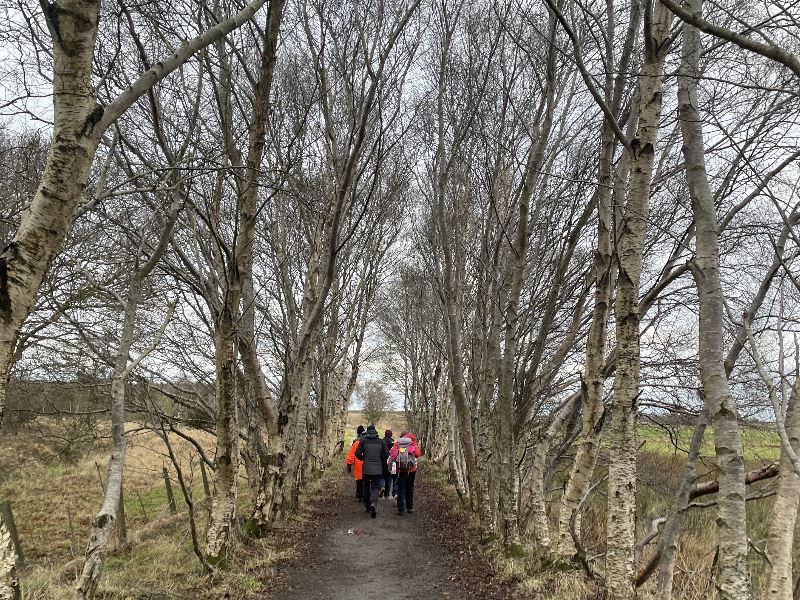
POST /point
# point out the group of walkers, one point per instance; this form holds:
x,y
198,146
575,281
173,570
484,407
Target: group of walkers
x,y
384,468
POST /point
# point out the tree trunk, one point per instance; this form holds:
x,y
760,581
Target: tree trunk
x,y
25,260
733,581
23,263
780,538
463,419
103,525
456,456
594,369
280,489
9,582
621,521
541,523
509,464
452,298
78,125
221,531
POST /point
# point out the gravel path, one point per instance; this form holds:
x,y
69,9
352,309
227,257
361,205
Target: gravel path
x,y
346,555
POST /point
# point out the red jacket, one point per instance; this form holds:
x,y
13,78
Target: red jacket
x,y
412,449
352,460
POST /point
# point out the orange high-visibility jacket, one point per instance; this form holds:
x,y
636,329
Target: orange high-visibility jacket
x,y
352,460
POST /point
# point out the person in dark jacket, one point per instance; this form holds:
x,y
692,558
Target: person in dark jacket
x,y
388,478
373,454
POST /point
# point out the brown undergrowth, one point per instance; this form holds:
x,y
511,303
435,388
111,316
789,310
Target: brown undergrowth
x,y
658,477
542,575
472,556
529,572
54,501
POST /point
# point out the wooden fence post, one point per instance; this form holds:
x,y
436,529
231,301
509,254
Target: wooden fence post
x,y
141,504
100,477
71,532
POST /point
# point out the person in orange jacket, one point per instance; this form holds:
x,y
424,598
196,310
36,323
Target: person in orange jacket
x,y
359,465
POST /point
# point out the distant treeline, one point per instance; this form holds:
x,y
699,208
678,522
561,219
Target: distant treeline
x,y
90,398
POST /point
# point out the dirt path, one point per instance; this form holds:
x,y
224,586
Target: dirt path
x,y
346,555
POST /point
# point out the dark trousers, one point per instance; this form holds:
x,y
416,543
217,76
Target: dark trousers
x,y
389,481
405,491
372,487
359,489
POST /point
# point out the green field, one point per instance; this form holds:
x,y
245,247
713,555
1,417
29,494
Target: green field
x,y
759,444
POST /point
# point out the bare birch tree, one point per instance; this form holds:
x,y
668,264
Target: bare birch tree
x,y
621,524
79,123
733,579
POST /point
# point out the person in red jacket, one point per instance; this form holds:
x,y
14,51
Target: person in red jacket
x,y
404,455
357,470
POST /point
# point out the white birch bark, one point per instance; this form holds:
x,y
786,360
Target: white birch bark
x,y
621,522
733,580
452,296
222,531
103,525
73,27
9,584
25,260
78,125
226,312
780,537
541,523
509,475
104,521
604,273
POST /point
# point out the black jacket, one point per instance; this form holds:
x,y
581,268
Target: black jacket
x,y
374,453
389,441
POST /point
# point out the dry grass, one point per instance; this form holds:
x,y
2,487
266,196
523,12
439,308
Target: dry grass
x,y
659,474
47,491
660,467
559,585
158,563
51,473
394,420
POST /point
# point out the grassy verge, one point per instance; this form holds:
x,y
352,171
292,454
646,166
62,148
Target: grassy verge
x,y
54,503
55,495
541,575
